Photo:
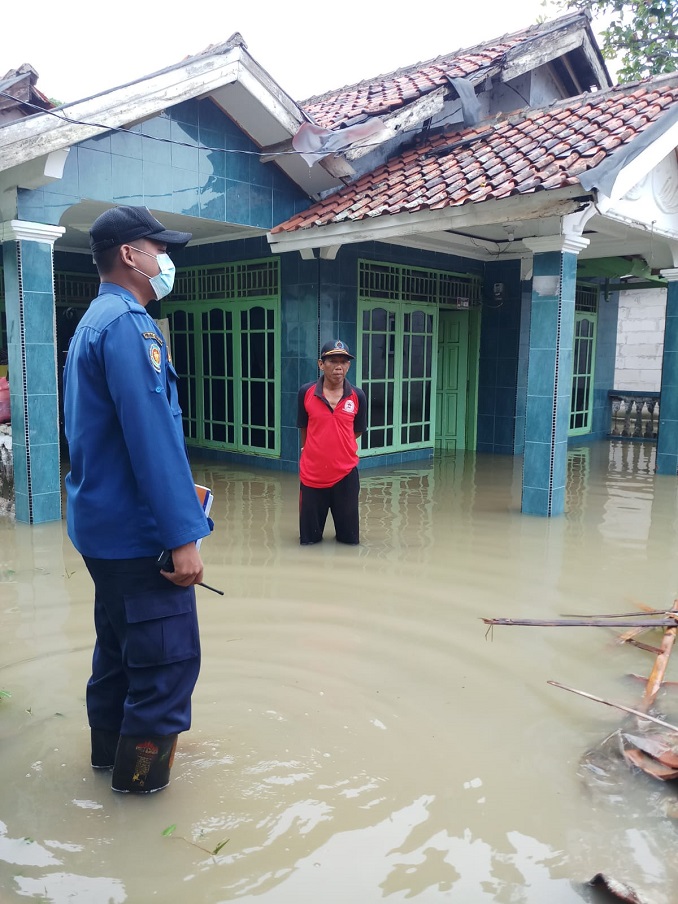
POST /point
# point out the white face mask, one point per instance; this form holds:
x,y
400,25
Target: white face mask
x,y
163,282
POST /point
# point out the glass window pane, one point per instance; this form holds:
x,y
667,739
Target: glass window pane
x,y
378,358
379,320
377,405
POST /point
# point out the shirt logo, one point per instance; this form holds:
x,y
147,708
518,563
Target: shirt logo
x,y
154,355
349,406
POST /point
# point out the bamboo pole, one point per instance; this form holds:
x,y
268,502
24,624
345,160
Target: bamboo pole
x,y
609,622
654,682
626,709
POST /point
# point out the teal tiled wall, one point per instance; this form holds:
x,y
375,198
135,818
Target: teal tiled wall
x,y
498,366
33,380
191,159
549,383
667,437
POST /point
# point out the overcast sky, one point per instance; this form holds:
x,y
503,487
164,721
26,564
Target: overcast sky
x,y
80,48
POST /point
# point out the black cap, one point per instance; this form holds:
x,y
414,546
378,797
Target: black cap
x,y
120,225
335,347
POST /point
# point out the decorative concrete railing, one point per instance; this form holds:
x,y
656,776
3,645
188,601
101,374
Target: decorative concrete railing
x,y
635,415
6,470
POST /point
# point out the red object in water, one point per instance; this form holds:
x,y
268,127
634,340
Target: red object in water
x,y
4,400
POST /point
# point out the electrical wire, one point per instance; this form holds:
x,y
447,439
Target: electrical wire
x,y
200,147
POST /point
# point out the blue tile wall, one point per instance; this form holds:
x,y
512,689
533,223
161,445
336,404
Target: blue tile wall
x,y
549,381
191,159
498,371
33,384
667,434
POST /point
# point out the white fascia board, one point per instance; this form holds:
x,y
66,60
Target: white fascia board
x,y
640,166
265,91
198,77
48,132
448,243
606,210
385,226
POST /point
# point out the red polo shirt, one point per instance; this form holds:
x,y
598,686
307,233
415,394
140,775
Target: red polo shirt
x,y
330,450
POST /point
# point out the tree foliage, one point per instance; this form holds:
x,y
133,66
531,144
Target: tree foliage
x,y
642,34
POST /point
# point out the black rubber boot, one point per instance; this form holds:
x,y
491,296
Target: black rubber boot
x,y
104,746
142,765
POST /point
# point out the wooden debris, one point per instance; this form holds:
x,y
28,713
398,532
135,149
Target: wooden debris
x,y
653,747
657,746
649,765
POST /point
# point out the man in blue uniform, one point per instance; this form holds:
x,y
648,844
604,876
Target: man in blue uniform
x,y
131,495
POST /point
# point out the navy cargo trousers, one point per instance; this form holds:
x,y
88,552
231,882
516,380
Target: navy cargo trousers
x,y
147,652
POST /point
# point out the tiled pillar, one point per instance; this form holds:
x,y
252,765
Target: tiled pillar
x,y
27,250
549,372
667,434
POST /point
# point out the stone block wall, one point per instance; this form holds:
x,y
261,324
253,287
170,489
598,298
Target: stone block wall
x,y
640,339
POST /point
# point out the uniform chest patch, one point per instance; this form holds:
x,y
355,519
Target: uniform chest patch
x,y
349,406
155,356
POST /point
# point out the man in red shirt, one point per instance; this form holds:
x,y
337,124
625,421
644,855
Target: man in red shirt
x,y
331,415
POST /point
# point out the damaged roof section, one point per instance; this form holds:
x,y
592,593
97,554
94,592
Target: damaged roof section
x,y
567,43
19,96
526,152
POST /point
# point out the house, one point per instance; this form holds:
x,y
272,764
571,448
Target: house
x,y
451,221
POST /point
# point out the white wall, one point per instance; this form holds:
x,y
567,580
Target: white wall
x,y
640,339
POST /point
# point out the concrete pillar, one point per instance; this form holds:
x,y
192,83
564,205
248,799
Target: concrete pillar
x,y
27,250
667,434
549,372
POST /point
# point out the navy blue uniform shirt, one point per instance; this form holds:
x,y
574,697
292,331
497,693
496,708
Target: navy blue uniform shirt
x,y
130,489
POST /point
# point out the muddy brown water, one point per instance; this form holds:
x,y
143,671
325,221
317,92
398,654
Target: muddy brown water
x,y
357,735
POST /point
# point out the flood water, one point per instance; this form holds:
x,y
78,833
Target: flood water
x,y
358,736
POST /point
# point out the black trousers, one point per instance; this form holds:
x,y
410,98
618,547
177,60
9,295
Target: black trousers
x,y
341,499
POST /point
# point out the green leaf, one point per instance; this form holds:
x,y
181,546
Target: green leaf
x,y
169,830
5,694
220,845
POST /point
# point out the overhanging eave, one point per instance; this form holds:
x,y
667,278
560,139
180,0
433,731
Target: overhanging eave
x,y
386,226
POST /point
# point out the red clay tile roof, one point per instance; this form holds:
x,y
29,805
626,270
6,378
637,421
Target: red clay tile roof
x,y
386,93
533,150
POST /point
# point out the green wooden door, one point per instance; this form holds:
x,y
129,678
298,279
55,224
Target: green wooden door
x,y
581,402
451,392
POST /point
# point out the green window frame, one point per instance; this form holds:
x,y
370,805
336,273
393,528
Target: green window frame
x,y
397,335
224,325
583,359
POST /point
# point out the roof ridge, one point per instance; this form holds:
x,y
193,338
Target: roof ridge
x,y
527,31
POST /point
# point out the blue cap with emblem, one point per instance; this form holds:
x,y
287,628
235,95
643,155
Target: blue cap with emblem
x,y
120,225
335,347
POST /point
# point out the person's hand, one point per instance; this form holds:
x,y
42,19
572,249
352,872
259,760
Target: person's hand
x,y
187,566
